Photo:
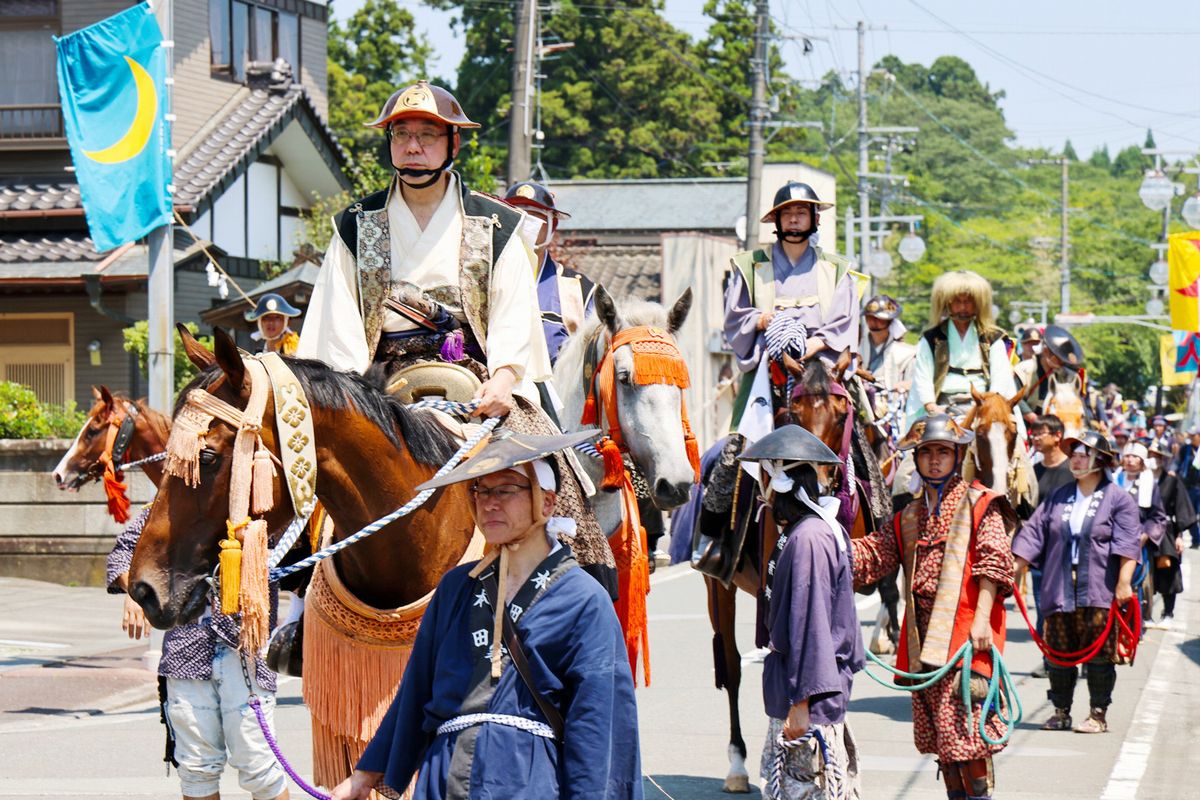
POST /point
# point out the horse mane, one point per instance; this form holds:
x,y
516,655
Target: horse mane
x,y
160,424
425,438
815,379
633,312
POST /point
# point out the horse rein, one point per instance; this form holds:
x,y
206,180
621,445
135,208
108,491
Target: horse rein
x,y
120,425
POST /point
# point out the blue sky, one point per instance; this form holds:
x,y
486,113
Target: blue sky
x,y
1095,71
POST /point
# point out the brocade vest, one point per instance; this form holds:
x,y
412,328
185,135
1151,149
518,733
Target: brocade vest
x,y
938,340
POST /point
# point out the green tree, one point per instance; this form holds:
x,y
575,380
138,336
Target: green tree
x,y
1069,151
1149,145
1101,158
1130,161
137,341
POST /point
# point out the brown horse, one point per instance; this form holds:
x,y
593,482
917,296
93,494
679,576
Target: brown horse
x,y
999,462
148,436
371,452
821,404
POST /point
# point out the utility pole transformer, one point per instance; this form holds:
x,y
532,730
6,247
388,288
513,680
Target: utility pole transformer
x,y
758,118
520,135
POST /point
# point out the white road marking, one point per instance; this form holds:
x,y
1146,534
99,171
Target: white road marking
x,y
38,645
672,573
1126,776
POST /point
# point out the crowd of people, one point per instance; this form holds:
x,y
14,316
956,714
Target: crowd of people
x,y
521,688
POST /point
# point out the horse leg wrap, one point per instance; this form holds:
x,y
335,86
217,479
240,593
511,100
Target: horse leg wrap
x,y
1062,686
1101,678
977,777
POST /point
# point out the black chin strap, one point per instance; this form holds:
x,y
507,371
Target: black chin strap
x,y
794,236
430,175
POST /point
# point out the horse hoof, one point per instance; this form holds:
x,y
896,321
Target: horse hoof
x,y
737,784
883,648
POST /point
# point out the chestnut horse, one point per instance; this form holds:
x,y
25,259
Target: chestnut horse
x,y
821,404
371,452
1000,461
82,462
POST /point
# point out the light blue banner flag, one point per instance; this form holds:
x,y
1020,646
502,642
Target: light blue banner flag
x,y
111,77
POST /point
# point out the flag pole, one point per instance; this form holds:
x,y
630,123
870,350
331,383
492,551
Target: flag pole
x,y
160,241
161,288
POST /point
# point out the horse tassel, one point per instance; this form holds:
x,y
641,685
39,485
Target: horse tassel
x,y
614,464
253,596
114,492
262,482
230,561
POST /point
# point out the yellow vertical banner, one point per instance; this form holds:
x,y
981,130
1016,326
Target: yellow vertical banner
x,y
1168,359
1183,258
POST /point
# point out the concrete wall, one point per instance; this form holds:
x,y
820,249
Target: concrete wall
x,y
51,535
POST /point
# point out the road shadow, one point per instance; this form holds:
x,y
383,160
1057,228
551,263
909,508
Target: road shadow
x,y
690,787
1191,649
895,707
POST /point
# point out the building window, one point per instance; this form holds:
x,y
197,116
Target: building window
x,y
242,32
37,350
29,106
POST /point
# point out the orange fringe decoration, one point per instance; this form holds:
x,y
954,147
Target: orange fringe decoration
x,y
253,594
629,547
614,464
114,491
354,658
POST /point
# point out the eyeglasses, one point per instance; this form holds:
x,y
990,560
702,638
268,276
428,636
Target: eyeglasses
x,y
423,138
503,492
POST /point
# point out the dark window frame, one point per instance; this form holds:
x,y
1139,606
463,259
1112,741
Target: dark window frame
x,y
299,8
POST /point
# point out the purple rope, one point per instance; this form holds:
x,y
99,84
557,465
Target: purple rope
x,y
262,723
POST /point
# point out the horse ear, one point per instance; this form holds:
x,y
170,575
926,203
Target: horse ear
x,y
792,365
843,363
197,353
105,396
913,436
679,311
976,396
1019,396
606,309
99,398
229,359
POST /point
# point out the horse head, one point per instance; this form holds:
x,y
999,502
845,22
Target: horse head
x,y
178,547
650,412
820,402
992,420
84,459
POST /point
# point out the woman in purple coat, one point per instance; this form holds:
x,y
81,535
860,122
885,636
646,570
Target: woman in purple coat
x,y
1086,539
815,642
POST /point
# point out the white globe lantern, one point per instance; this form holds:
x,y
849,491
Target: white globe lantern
x,y
1154,306
1191,211
879,264
1160,271
912,247
1156,191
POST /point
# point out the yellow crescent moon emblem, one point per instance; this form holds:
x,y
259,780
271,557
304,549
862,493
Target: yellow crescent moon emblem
x,y
144,117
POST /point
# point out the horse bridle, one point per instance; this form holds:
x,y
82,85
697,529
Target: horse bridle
x,y
120,426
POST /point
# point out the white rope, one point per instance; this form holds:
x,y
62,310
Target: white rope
x,y
830,769
536,727
146,460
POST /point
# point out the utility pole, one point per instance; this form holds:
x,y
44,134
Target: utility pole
x,y
520,138
758,117
864,199
1064,247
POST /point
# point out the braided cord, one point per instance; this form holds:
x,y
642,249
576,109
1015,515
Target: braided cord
x,y
830,767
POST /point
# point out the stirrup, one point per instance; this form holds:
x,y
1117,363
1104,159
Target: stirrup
x,y
1095,723
1061,721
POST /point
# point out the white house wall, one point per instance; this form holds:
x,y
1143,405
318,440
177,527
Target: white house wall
x,y
289,193
290,230
262,228
229,219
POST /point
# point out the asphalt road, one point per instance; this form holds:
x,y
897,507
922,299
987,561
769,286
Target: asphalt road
x,y
78,716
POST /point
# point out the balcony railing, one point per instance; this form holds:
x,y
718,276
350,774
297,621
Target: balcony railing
x,y
31,122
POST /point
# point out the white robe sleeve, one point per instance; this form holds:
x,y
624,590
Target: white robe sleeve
x,y
921,391
514,337
333,326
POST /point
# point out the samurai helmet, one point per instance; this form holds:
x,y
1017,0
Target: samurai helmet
x,y
794,192
533,195
422,100
936,428
790,443
1093,441
882,306
1059,342
271,303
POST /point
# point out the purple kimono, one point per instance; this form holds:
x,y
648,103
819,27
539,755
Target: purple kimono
x,y
1112,530
838,328
816,646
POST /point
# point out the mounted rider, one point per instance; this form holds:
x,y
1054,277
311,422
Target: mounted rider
x,y
564,295
431,275
272,315
1058,360
795,298
962,348
885,353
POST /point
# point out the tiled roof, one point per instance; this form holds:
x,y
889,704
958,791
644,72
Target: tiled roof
x,y
624,270
38,196
249,124
696,204
47,247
